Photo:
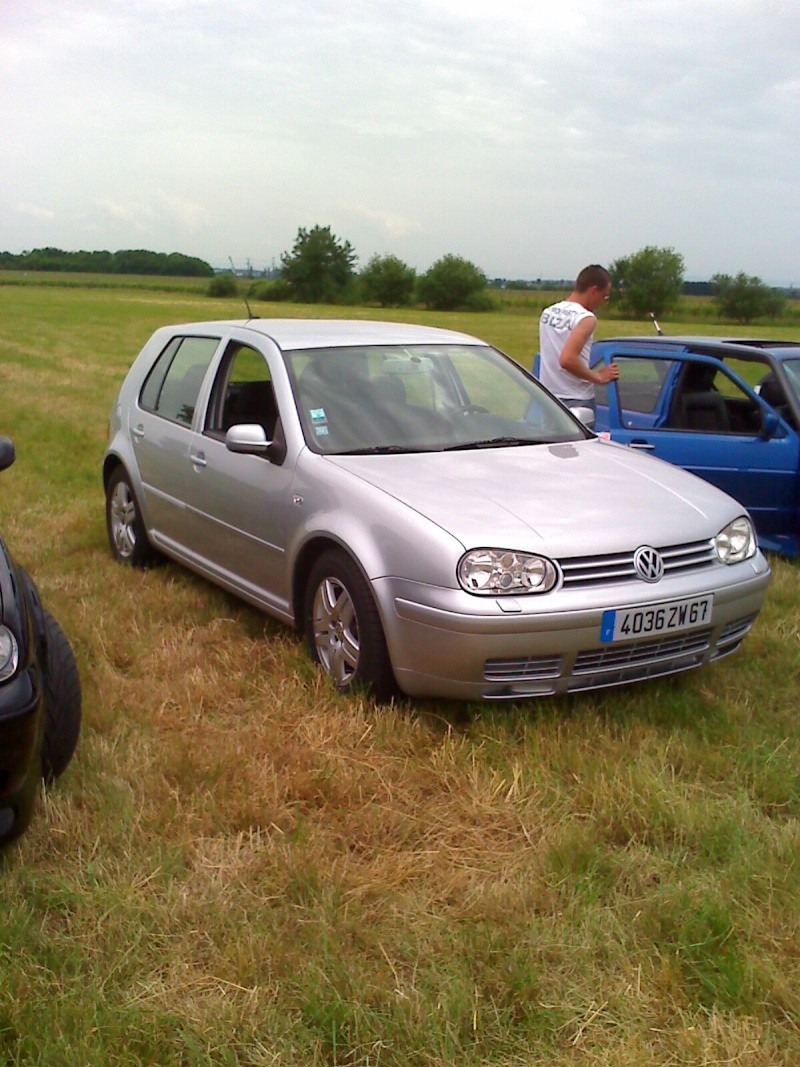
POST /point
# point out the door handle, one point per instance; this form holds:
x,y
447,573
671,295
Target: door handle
x,y
644,446
198,459
138,431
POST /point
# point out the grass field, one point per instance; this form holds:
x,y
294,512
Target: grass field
x,y
241,868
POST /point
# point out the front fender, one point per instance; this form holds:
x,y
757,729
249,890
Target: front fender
x,y
385,535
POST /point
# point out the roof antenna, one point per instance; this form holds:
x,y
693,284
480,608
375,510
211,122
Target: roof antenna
x,y
659,331
250,314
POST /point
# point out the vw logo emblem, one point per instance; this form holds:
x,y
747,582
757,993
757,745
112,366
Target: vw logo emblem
x,y
649,564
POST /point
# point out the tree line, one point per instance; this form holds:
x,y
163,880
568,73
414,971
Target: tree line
x,y
321,268
126,261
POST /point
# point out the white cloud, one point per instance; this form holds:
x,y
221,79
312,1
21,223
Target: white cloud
x,y
35,211
391,224
529,136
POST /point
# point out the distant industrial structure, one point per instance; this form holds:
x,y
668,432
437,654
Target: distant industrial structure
x,y
249,271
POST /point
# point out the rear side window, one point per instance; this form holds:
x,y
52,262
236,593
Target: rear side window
x,y
173,384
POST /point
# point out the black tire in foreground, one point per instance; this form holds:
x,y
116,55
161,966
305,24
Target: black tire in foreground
x,y
63,698
126,533
343,629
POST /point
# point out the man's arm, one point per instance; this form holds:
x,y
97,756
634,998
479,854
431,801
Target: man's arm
x,y
570,358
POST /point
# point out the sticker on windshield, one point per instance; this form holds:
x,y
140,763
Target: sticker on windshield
x,y
317,415
321,431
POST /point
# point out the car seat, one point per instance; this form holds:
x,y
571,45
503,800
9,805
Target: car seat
x,y
704,411
251,402
334,393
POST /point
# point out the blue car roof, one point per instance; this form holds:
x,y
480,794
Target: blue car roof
x,y
778,350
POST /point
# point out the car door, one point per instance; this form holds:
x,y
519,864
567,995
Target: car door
x,y
698,414
240,503
161,432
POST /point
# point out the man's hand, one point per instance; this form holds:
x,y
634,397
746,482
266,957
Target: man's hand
x,y
609,373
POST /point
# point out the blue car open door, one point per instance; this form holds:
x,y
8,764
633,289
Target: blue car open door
x,y
694,411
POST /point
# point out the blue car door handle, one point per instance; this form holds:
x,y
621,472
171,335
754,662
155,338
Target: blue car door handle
x,y
645,446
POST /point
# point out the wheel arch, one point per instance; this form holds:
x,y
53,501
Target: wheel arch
x,y
306,558
110,464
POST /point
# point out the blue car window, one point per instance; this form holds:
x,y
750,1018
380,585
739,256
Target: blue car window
x,y
709,401
641,391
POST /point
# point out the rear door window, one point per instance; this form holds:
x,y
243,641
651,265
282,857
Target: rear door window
x,y
173,385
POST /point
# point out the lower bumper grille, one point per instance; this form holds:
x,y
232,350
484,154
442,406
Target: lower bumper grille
x,y
533,668
610,665
616,657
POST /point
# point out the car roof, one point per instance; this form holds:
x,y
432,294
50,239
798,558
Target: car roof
x,y
740,347
291,334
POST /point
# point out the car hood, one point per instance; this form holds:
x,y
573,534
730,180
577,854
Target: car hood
x,y
568,497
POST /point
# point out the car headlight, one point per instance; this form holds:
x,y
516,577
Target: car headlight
x,y
498,571
736,541
9,653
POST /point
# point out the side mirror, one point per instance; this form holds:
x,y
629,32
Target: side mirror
x,y
586,416
247,438
7,453
770,425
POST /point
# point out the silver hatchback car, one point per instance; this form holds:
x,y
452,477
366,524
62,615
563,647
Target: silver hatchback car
x,y
422,509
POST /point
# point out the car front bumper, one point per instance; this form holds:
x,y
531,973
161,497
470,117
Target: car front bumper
x,y
447,643
21,724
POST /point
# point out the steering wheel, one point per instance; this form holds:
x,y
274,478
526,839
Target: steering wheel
x,y
473,409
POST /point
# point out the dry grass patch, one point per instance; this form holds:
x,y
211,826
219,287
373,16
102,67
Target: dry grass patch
x,y
241,868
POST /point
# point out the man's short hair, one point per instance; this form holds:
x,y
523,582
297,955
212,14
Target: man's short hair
x,y
591,276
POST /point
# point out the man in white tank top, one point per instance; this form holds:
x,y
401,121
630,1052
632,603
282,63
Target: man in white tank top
x,y
566,332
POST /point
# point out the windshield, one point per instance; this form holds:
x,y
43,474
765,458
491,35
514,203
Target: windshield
x,y
792,368
425,398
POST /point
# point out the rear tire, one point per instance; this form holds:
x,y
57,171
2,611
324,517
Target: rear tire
x,y
63,700
343,629
126,533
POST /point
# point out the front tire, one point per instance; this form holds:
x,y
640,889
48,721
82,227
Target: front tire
x,y
126,533
63,698
343,629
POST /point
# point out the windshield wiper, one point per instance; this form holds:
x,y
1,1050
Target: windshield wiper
x,y
492,442
381,450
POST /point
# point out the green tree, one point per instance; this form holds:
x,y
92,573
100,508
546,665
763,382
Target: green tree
x,y
319,267
452,282
137,261
745,298
647,281
179,265
387,281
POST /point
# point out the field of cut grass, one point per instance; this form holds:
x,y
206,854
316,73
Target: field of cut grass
x,y
76,280
242,869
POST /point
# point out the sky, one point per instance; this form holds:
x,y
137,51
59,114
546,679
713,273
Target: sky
x,y
531,138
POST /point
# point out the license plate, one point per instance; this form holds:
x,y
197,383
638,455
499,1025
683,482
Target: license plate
x,y
626,624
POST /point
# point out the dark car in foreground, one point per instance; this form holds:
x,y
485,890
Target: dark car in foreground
x,y
422,510
726,409
40,693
